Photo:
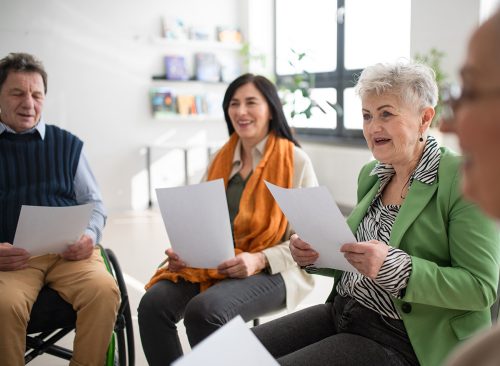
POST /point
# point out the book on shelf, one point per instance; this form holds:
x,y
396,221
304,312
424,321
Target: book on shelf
x,y
229,34
186,105
163,101
207,67
175,68
201,104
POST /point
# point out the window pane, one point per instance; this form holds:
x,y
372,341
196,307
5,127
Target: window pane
x,y
376,31
353,117
323,116
308,28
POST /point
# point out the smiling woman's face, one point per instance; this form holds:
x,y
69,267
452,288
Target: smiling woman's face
x,y
392,128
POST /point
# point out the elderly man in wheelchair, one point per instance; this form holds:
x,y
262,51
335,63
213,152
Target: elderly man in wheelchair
x,y
43,165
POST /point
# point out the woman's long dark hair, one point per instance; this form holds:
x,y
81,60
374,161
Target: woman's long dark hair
x,y
278,122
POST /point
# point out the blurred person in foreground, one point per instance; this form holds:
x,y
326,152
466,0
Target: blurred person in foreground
x,y
474,115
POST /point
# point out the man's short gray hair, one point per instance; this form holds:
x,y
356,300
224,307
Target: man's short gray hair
x,y
413,82
21,62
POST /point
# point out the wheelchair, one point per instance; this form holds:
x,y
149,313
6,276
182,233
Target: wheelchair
x,y
52,318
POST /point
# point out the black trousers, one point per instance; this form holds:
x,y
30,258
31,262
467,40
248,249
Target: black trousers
x,y
166,303
340,333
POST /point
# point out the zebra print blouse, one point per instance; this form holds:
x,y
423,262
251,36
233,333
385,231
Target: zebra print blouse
x,y
377,225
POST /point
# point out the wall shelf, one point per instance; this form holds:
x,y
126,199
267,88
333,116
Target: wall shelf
x,y
197,44
190,118
161,79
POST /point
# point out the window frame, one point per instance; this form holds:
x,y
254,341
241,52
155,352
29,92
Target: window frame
x,y
340,79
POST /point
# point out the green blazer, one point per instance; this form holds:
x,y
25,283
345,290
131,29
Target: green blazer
x,y
455,256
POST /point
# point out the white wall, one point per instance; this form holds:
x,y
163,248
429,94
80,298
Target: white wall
x,y
100,55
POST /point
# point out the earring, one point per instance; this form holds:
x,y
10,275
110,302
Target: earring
x,y
421,139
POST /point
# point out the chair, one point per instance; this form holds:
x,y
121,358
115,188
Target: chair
x,y
52,318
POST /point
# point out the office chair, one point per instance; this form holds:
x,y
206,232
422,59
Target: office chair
x,y
52,318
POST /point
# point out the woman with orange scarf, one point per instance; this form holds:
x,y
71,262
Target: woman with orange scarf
x,y
262,277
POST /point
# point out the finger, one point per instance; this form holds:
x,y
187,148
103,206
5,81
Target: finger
x,y
12,251
306,258
300,244
7,258
13,261
229,263
176,265
304,253
237,272
83,252
228,269
233,269
354,258
171,254
353,248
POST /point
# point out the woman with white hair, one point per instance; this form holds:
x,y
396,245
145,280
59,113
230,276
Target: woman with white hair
x,y
427,259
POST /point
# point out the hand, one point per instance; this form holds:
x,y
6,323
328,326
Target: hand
x,y
175,264
82,249
12,258
302,252
243,265
367,257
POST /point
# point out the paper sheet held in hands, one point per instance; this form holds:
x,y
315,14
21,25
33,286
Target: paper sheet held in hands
x,y
197,221
233,344
42,230
317,220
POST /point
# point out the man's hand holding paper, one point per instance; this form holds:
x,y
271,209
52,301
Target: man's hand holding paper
x,y
42,230
12,258
82,249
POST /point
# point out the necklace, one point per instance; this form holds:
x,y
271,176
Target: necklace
x,y
407,184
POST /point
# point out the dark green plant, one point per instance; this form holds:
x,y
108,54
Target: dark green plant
x,y
433,59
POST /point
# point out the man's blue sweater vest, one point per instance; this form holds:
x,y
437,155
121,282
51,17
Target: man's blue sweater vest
x,y
36,172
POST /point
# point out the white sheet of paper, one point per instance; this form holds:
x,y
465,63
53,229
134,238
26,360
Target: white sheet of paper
x,y
197,221
316,218
233,344
42,230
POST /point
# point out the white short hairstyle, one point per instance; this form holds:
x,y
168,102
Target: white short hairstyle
x,y
414,83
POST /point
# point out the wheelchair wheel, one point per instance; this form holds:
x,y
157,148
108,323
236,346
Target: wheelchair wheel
x,y
121,347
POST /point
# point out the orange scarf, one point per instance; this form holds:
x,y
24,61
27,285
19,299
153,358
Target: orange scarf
x,y
259,224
